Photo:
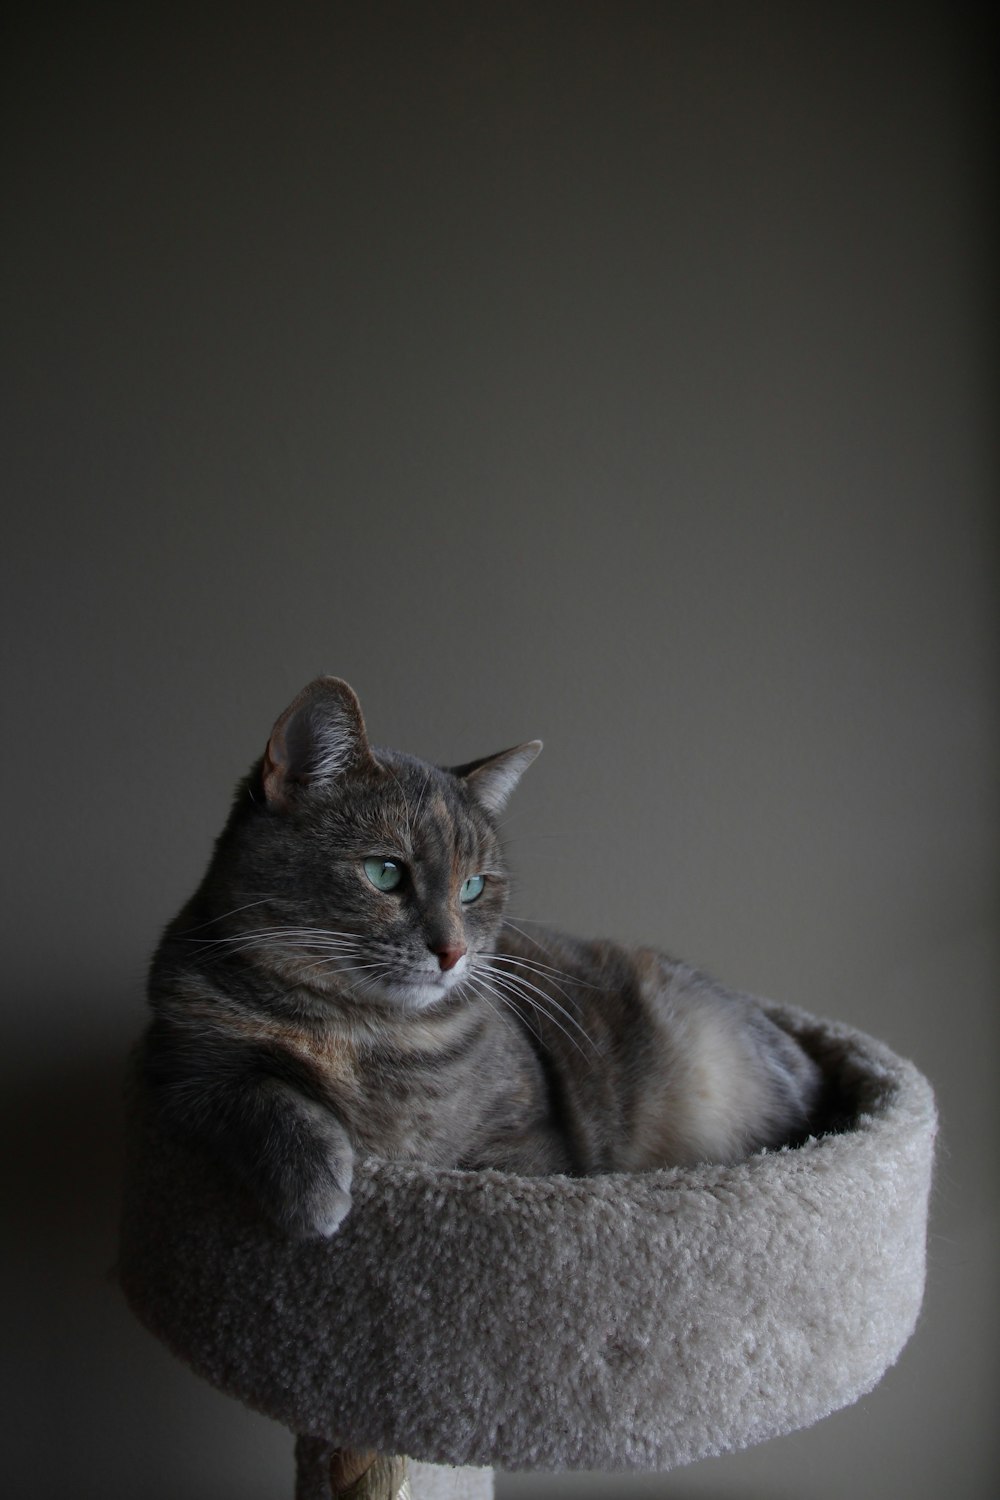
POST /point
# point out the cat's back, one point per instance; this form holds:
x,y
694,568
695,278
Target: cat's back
x,y
653,1063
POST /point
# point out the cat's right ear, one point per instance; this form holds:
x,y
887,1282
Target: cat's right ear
x,y
320,735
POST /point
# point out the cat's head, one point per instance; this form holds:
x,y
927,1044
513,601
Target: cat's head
x,y
365,871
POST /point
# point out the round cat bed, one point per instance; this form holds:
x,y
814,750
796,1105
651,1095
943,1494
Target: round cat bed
x,y
615,1322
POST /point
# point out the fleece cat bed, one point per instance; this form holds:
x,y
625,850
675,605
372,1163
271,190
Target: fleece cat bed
x,y
614,1322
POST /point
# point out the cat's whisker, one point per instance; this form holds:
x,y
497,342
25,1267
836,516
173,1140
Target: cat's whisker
x,y
324,932
514,993
483,989
254,945
383,971
547,971
270,934
509,922
289,941
224,947
544,978
542,972
518,985
277,934
333,963
232,913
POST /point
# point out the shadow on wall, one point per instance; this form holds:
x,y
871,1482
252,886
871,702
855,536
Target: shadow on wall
x,y
66,1169
94,1404
63,1172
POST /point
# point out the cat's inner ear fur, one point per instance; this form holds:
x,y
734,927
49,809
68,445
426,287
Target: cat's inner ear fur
x,y
492,779
320,734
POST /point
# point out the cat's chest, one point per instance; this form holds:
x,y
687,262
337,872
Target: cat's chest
x,y
416,1092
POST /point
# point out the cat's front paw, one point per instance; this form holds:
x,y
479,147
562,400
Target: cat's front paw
x,y
324,1193
309,1178
327,1205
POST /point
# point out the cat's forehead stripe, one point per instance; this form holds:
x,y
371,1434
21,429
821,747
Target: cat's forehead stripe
x,y
433,814
437,830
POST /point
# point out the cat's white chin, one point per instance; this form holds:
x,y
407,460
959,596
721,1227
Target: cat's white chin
x,y
413,994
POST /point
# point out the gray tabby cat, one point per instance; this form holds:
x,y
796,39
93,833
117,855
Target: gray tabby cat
x,y
343,981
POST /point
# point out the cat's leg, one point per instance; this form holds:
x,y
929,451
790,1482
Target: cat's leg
x,y
257,1110
297,1158
722,1080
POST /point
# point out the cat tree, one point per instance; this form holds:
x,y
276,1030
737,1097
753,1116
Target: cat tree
x,y
619,1322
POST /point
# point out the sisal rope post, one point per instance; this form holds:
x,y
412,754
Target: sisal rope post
x,y
324,1472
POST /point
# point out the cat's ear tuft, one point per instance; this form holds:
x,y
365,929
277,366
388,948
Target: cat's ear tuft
x,y
320,734
492,779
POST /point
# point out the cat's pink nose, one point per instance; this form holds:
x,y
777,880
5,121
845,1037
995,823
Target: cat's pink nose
x,y
448,957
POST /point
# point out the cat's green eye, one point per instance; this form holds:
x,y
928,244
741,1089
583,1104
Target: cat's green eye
x,y
384,874
472,889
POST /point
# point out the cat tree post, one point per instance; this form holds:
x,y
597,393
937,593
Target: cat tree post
x,y
327,1473
620,1322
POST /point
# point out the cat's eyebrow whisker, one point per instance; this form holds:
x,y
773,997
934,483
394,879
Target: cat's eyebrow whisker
x,y
423,793
406,806
509,922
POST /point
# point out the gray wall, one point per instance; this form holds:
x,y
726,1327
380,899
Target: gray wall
x,y
614,373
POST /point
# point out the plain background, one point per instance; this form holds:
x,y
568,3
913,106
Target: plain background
x,y
621,374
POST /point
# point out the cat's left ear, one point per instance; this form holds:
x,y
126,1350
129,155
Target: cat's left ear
x,y
492,779
320,734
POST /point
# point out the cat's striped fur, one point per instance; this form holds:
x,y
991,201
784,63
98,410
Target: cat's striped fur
x,y
301,1014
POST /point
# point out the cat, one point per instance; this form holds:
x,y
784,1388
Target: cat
x,y
344,982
